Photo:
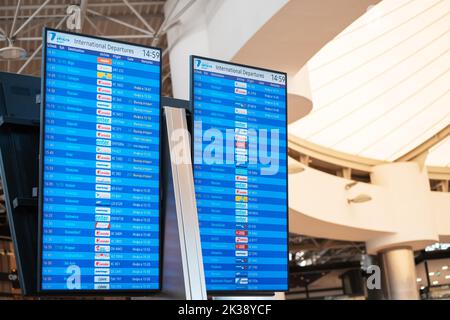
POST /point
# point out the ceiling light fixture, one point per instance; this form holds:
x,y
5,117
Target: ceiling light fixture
x,y
12,52
360,199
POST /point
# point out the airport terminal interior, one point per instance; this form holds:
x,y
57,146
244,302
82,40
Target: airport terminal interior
x,y
361,86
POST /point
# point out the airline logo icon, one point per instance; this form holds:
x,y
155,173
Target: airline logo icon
x,y
105,120
242,260
103,97
241,233
103,187
101,286
102,225
104,127
241,267
241,240
101,67
241,253
103,142
102,256
102,233
242,191
103,218
241,185
241,226
103,195
106,173
240,124
102,240
241,131
240,91
105,135
101,278
105,83
241,212
241,152
241,274
102,149
240,205
103,157
101,271
104,90
240,111
241,219
104,60
241,145
241,178
239,84
103,210
240,137
241,281
104,75
241,158
241,164
102,202
102,248
102,180
241,199
103,165
104,105
105,264
242,247
103,112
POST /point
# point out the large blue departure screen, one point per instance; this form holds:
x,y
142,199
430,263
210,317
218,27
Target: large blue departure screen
x,y
100,167
240,175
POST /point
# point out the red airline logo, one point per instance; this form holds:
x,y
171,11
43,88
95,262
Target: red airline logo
x,y
242,246
103,112
105,83
106,135
102,263
103,127
102,240
103,157
104,60
102,233
102,225
103,97
106,173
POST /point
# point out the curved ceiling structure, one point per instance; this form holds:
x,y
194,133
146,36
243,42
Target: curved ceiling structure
x,y
380,89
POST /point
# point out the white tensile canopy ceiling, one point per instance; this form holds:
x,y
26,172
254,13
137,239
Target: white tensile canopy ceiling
x,y
381,88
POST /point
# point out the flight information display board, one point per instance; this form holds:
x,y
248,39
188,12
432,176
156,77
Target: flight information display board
x,y
100,176
240,174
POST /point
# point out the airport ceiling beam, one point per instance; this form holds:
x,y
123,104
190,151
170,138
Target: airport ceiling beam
x,y
42,6
425,146
91,5
138,15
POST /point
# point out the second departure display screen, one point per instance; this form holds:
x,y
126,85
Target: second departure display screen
x,y
240,174
100,167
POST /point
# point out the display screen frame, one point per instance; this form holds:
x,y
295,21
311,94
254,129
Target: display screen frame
x,y
77,292
191,99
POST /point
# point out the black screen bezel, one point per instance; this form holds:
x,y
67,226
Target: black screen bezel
x,y
68,292
191,99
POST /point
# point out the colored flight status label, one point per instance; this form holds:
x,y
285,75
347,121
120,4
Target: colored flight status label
x,y
240,162
100,205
